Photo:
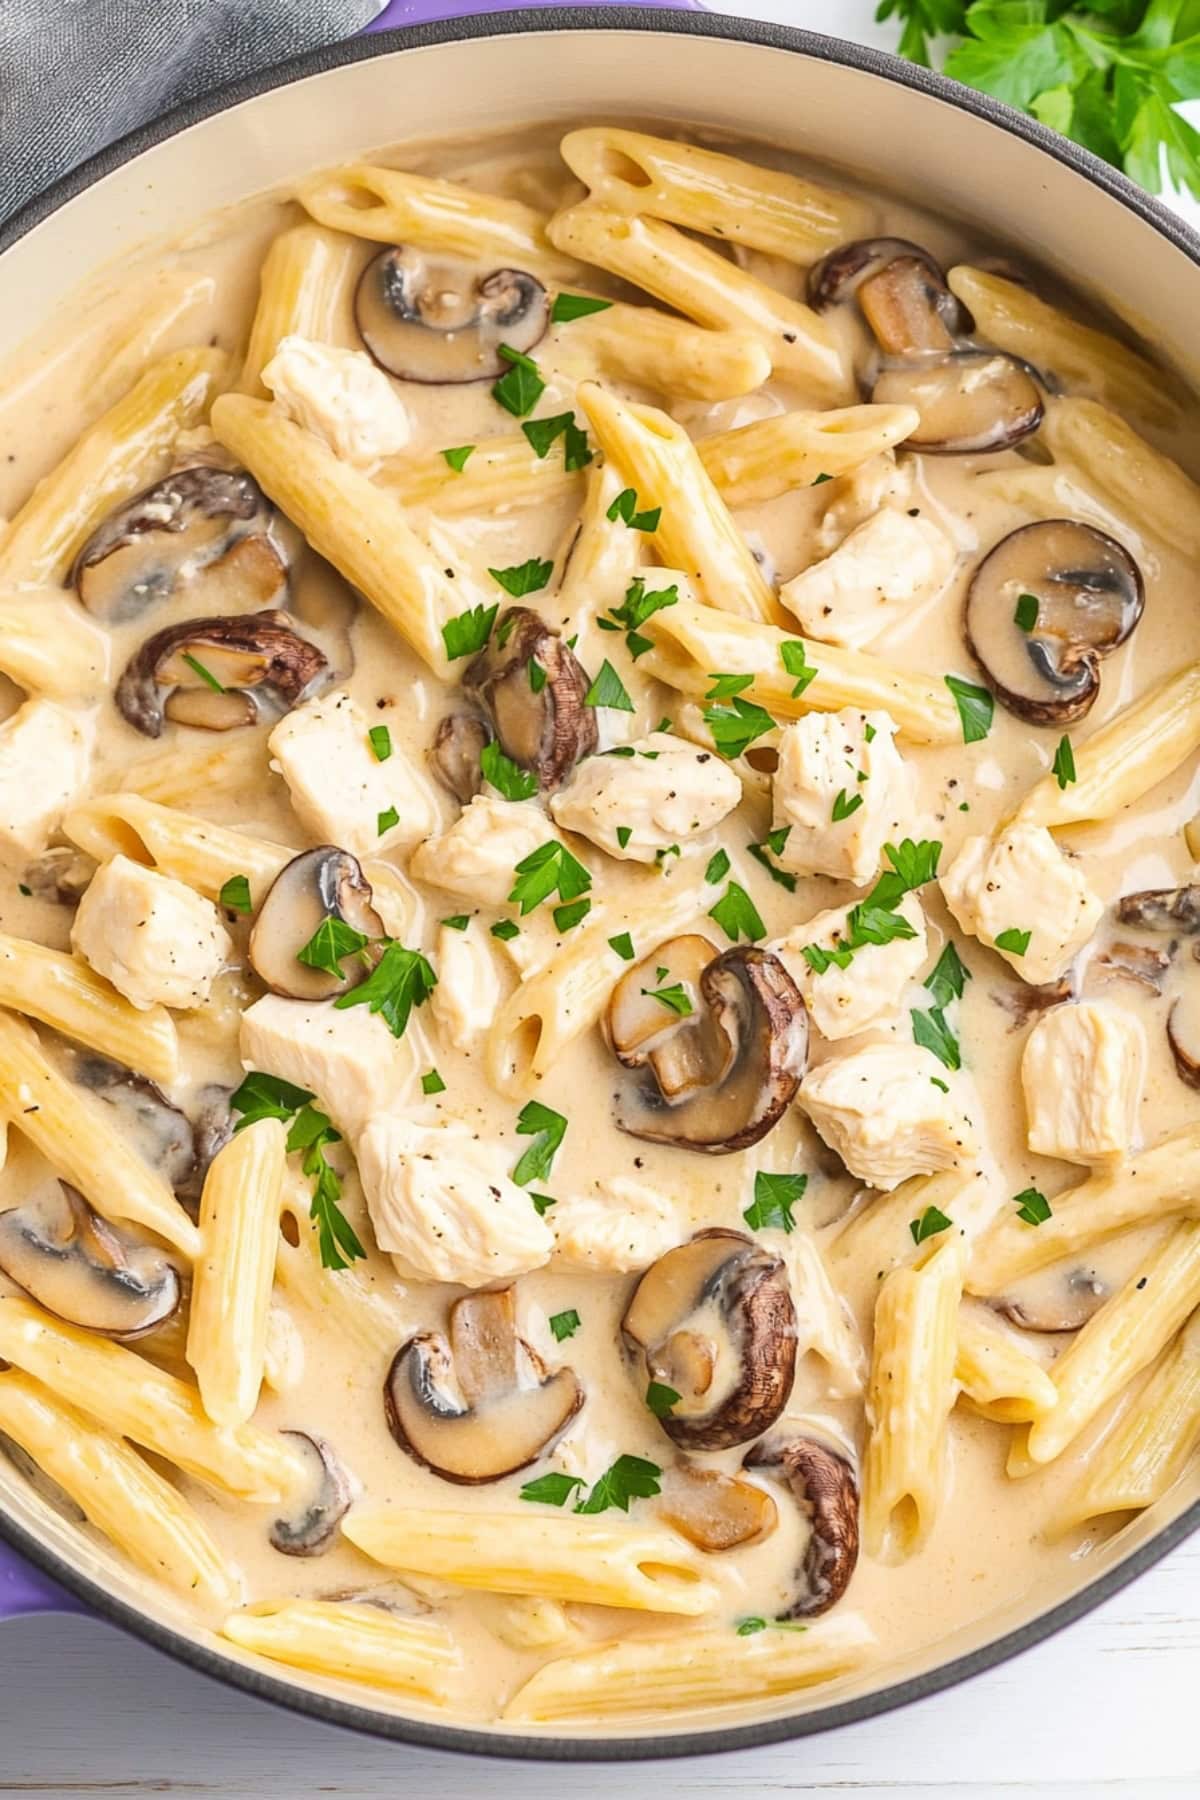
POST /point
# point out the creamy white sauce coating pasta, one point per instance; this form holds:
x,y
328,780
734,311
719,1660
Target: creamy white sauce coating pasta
x,y
775,506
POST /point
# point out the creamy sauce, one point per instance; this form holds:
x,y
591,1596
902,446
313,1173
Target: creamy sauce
x,y
987,1547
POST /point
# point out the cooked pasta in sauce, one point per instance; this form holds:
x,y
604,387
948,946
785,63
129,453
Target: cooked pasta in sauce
x,y
598,917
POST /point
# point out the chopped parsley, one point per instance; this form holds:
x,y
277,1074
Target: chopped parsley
x,y
432,1083
400,980
622,944
385,820
736,726
506,776
1032,1206
774,1198
542,434
724,687
931,1031
633,612
1015,941
608,690
844,807
948,977
264,1096
505,929
235,894
564,1325
660,1399
1026,614
468,632
547,1128
748,1627
718,866
521,386
793,655
459,456
547,870
975,708
381,742
675,998
630,1478
931,1222
524,578
875,920
568,916
206,675
737,915
552,1490
1064,763
332,940
537,675
624,507
542,1204
575,306
624,833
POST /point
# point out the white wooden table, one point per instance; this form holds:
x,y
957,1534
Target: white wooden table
x,y
1106,1711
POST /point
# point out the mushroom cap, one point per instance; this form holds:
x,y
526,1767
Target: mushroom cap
x,y
684,1051
839,276
161,1132
1163,909
824,1485
1090,596
1054,1300
60,875
320,884
237,653
458,744
312,1529
547,731
714,1321
971,401
84,1270
481,1405
443,321
1183,1033
715,1511
735,1063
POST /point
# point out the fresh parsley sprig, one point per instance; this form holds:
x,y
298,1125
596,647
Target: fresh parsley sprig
x,y
263,1096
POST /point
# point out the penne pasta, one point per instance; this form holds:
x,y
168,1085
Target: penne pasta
x,y
351,1304
235,1271
122,1496
158,1411
705,287
123,452
353,1641
699,1670
303,290
77,1135
191,849
997,1374
878,1233
211,775
645,1567
59,990
605,555
658,350
501,473
1143,483
48,645
709,191
770,457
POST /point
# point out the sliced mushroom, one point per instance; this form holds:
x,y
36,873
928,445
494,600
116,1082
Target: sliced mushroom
x,y
1142,963
715,1511
193,521
61,875
443,321
972,402
481,1405
1044,608
81,1268
825,1486
1183,1034
840,276
1054,1300
200,671
1162,909
161,1132
714,1321
1028,1000
311,1530
685,1051
547,727
320,884
212,1128
732,1066
458,744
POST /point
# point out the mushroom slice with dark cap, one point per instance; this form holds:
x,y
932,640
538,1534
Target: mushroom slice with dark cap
x,y
60,875
191,521
458,744
718,1078
311,1529
481,1405
318,885
547,729
201,672
1162,909
161,1133
715,1511
825,1486
1143,963
1054,1300
1027,1000
1044,608
715,1323
1183,1032
81,1268
443,321
839,276
212,1128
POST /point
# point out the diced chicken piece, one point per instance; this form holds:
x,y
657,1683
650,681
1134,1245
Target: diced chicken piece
x,y
443,1206
45,754
340,396
855,497
869,989
531,1622
157,940
1022,882
842,790
465,999
340,791
478,854
1082,1072
886,1110
635,805
620,1228
882,572
347,1057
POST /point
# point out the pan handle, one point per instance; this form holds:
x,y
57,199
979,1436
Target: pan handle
x,y
24,1589
429,12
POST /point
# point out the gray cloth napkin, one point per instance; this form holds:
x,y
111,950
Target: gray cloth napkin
x,y
75,74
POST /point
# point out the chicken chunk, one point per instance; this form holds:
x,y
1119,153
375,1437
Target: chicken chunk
x,y
841,791
465,999
1082,1072
45,754
887,567
341,397
621,1227
869,989
346,1057
443,1207
478,854
1022,882
340,791
856,496
886,1110
635,805
157,940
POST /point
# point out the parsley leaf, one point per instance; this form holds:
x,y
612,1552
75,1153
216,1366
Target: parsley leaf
x,y
549,869
263,1096
660,1398
638,606
774,1198
931,1222
564,1325
504,929
381,742
1032,1206
506,776
735,727
432,1083
206,675
1016,942
548,1129
931,1031
523,578
608,690
844,807
459,457
975,708
400,980
575,306
521,387
737,915
630,1478
675,998
622,944
718,866
725,686
1026,614
570,915
553,1489
624,507
1064,763
466,634
385,820
537,675
792,654
457,921
781,876
235,894
332,940
543,432
948,977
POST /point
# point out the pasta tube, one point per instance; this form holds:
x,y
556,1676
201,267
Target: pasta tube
x,y
562,1557
134,1399
235,1271
770,457
347,519
126,450
48,645
502,473
209,776
699,1670
178,843
1120,1340
694,531
997,1374
605,556
1127,757
353,1641
658,350
73,1131
349,1302
123,1497
705,190
305,283
909,1399
694,642
1141,481
705,287
64,993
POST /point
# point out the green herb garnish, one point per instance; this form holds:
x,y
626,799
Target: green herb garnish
x,y
608,690
459,457
506,776
564,1325
400,980
235,894
524,578
737,915
774,1198
547,870
547,1128
1032,1206
975,708
521,387
575,306
931,1222
466,634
